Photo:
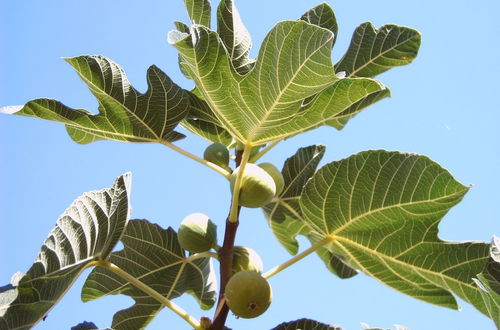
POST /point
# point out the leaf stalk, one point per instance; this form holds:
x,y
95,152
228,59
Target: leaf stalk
x,y
233,214
298,257
151,292
264,151
202,161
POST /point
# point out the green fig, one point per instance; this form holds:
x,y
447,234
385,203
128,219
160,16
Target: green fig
x,y
246,259
257,186
277,176
197,233
248,294
218,154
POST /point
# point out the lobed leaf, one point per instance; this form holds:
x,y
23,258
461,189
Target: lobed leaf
x,y
323,16
305,324
262,105
373,51
154,256
235,36
202,122
488,283
199,11
381,210
284,214
87,231
285,217
124,113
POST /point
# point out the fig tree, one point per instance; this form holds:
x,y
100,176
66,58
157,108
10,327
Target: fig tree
x,y
277,176
245,258
218,154
257,186
248,294
197,233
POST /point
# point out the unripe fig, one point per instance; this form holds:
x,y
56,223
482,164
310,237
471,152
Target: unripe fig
x,y
197,233
246,259
218,154
277,176
257,186
248,294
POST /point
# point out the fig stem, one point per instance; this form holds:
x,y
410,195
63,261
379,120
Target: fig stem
x,y
226,259
208,164
233,213
298,257
151,292
264,151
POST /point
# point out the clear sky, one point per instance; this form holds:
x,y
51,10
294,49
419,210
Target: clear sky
x,y
444,105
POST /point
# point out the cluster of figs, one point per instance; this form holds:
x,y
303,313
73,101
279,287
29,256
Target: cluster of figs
x,y
247,293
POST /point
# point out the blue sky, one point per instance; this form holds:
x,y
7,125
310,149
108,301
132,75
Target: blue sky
x,y
444,105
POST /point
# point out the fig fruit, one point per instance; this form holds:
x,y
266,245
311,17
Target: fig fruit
x,y
218,154
246,259
197,233
276,175
248,294
257,186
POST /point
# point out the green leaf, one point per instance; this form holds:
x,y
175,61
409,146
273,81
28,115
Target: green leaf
x,y
265,104
373,51
86,232
152,255
284,215
323,16
382,210
202,122
491,299
235,36
124,113
488,283
199,11
305,324
338,103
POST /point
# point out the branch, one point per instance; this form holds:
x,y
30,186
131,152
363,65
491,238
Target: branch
x,y
226,258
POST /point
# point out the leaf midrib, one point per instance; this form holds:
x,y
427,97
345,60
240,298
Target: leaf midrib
x,y
256,128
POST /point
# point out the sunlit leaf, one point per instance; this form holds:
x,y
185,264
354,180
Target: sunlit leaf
x,y
199,11
323,16
284,215
152,255
124,113
87,231
202,121
373,51
491,299
488,283
235,36
382,210
338,103
305,324
263,105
